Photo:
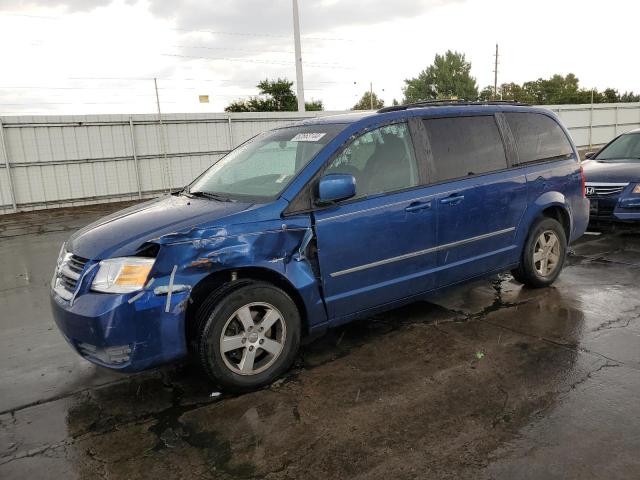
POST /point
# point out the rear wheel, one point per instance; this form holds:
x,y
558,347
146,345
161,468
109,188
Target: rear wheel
x,y
543,255
247,336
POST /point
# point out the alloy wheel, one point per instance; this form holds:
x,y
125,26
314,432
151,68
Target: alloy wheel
x,y
546,253
253,338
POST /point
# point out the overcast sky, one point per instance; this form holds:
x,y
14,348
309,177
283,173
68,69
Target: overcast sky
x,y
99,56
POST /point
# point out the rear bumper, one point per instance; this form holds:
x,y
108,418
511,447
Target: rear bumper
x,y
580,219
107,330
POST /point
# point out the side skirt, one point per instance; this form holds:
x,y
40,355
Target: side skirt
x,y
319,329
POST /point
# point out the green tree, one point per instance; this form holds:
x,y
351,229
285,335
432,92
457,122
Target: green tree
x,y
610,95
557,89
313,105
486,94
449,76
629,97
277,95
367,100
515,93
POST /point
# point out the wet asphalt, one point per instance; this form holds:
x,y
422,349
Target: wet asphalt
x,y
490,380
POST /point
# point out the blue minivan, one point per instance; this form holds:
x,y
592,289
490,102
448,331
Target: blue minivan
x,y
313,225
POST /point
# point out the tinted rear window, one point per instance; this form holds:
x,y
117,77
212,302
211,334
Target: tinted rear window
x,y
463,146
538,137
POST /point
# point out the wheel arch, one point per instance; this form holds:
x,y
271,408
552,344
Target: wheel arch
x,y
551,204
561,214
219,278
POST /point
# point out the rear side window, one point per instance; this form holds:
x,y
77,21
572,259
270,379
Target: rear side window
x,y
464,146
538,137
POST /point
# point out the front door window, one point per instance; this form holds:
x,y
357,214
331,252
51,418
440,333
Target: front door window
x,y
381,160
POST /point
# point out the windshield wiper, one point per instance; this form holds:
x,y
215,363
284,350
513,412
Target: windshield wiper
x,y
211,195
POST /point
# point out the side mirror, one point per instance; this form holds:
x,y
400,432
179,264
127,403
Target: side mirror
x,y
589,155
335,187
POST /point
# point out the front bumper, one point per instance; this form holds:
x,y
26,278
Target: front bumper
x,y
111,331
613,209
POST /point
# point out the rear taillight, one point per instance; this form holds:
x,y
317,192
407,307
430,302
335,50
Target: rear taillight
x,y
584,182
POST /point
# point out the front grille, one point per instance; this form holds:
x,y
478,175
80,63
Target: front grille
x,y
77,263
606,210
604,189
70,270
68,274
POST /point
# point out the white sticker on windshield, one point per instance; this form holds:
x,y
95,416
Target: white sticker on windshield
x,y
308,137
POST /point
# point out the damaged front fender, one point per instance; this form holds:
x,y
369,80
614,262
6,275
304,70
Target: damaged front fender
x,y
187,258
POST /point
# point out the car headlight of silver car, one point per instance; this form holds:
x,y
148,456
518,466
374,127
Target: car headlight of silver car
x,y
636,189
122,275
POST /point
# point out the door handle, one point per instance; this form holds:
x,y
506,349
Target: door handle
x,y
416,206
452,199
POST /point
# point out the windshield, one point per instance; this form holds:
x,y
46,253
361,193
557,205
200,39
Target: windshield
x,y
624,147
262,167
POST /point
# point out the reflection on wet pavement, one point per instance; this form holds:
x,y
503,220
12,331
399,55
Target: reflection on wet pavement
x,y
489,380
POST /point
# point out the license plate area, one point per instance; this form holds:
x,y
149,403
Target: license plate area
x,y
593,207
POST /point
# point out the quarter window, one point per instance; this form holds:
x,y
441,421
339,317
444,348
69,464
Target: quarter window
x,y
538,137
381,160
464,146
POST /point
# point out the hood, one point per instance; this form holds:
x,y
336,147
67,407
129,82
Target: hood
x,y
123,232
618,171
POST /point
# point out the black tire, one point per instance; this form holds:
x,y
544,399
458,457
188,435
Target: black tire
x,y
528,272
220,311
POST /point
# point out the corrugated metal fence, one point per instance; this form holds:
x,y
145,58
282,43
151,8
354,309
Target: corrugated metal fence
x,y
57,161
598,124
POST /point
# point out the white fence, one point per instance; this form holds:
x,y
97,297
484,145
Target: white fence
x,y
598,124
58,161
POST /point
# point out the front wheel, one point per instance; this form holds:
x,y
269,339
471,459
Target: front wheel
x,y
543,256
248,336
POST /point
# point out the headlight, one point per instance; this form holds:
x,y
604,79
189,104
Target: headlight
x,y
637,189
122,275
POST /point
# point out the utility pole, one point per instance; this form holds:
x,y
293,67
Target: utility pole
x,y
371,94
163,142
591,121
495,76
296,38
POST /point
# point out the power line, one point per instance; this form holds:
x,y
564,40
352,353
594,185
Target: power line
x,y
256,60
212,32
231,49
70,103
266,35
43,17
118,89
170,79
39,87
42,43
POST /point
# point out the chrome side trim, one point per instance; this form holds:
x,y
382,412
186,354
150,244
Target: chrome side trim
x,y
418,253
386,205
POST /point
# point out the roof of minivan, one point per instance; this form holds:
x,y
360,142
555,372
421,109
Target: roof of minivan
x,y
431,111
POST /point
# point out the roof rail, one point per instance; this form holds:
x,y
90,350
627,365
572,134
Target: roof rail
x,y
437,103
